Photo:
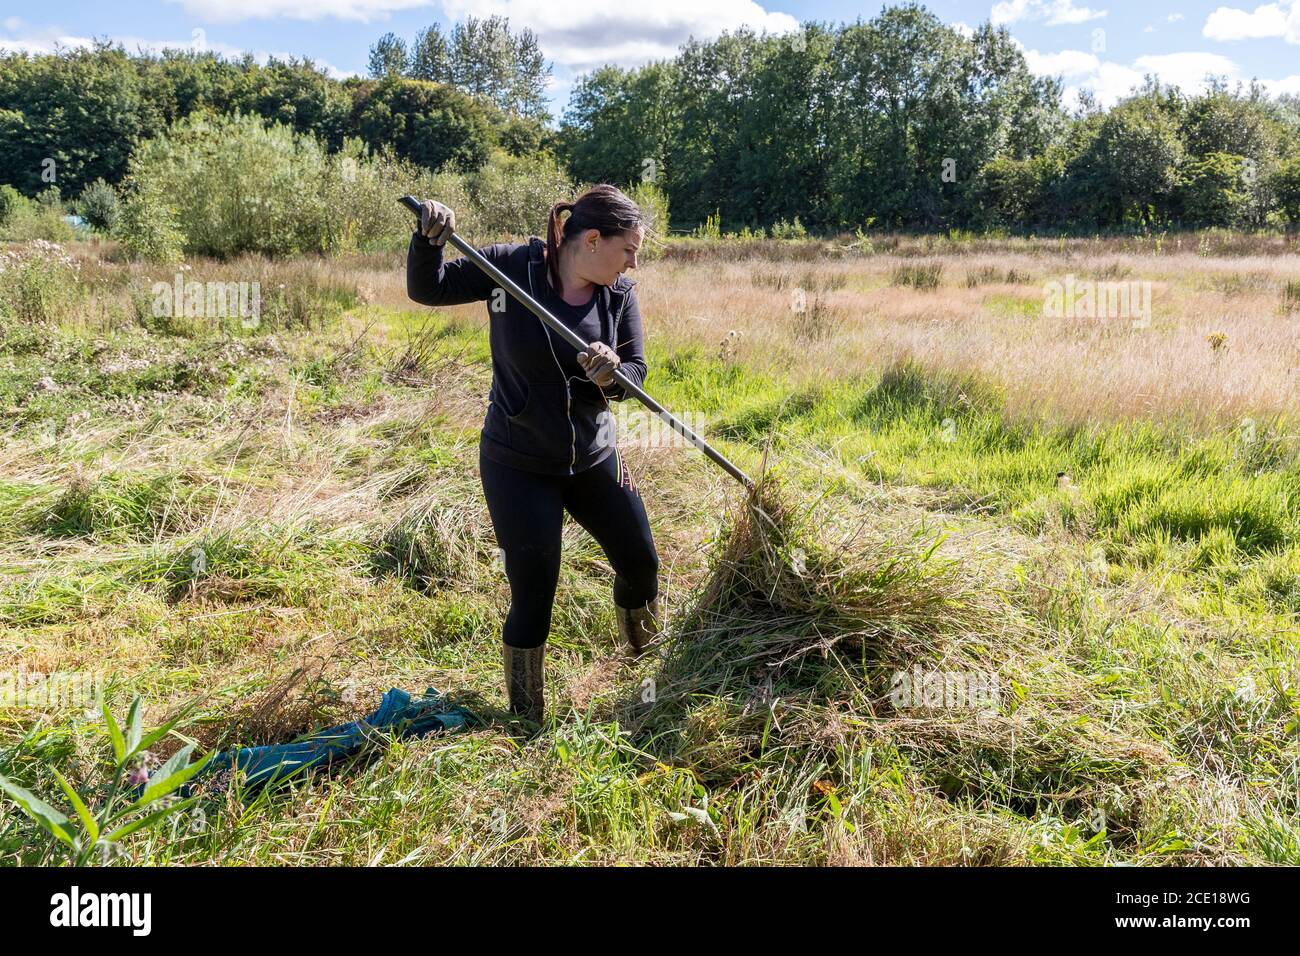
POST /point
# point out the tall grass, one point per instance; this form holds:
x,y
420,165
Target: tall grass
x,y
926,275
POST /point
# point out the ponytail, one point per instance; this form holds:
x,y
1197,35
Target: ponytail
x,y
553,242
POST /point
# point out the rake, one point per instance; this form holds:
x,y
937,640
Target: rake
x,y
535,307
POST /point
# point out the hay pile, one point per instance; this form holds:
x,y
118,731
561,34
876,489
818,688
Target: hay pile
x,y
778,675
786,601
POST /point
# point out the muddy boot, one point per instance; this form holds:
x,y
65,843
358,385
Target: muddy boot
x,y
524,681
638,626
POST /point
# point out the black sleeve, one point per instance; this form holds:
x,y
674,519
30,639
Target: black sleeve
x,y
431,281
630,348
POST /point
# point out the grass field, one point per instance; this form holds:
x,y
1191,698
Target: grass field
x,y
1140,614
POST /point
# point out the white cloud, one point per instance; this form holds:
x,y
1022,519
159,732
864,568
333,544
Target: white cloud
x,y
573,36
1289,84
1187,70
1052,12
234,11
1174,17
584,36
1067,63
1264,22
1111,82
964,28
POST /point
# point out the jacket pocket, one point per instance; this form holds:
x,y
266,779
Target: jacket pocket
x,y
496,424
593,424
542,427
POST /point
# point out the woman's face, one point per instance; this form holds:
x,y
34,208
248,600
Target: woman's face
x,y
602,259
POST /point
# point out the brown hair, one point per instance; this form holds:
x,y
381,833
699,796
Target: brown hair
x,y
602,207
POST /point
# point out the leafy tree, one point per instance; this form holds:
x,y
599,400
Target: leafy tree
x,y
1128,170
1287,187
10,201
1214,191
428,123
298,94
74,117
431,56
98,205
388,57
1014,192
1222,122
488,60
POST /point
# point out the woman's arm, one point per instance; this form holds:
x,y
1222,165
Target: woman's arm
x,y
630,348
430,281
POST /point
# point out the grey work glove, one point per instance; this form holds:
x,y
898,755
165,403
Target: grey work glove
x,y
436,221
599,361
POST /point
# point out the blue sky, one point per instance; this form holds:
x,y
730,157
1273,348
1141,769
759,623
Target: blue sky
x,y
1105,47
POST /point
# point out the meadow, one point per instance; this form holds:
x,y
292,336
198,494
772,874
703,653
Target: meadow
x,y
1102,513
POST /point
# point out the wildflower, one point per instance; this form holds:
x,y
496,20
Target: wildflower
x,y
139,774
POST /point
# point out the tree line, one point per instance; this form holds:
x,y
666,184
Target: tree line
x,y
70,119
905,122
897,122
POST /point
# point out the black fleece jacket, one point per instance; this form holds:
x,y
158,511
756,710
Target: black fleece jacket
x,y
543,413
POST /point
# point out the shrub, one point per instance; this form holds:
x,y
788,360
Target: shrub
x,y
1286,183
711,228
512,196
1215,192
147,226
360,193
237,184
654,211
98,205
786,230
26,220
10,200
37,281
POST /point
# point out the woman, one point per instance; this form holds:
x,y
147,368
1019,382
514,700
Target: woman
x,y
547,444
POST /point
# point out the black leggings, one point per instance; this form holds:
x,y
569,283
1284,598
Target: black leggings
x,y
527,512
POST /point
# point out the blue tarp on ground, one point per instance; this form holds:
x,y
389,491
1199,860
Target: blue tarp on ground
x,y
398,715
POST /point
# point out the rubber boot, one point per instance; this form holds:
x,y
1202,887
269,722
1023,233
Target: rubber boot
x,y
638,626
525,682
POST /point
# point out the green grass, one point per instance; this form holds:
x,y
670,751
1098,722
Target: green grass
x,y
230,539
1141,492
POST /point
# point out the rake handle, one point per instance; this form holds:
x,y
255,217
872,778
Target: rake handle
x,y
535,307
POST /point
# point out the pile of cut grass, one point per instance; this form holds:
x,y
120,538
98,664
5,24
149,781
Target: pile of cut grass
x,y
779,675
786,613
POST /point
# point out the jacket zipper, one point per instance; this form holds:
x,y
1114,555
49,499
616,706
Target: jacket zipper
x,y
614,332
568,396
